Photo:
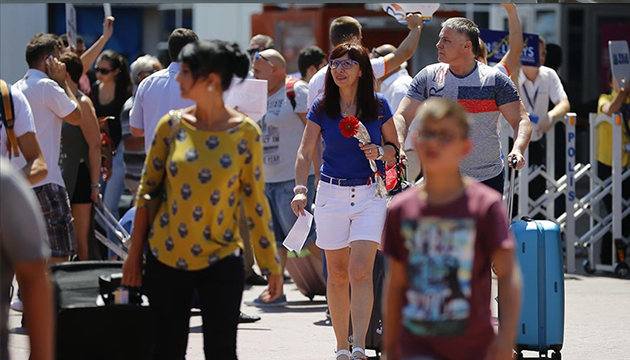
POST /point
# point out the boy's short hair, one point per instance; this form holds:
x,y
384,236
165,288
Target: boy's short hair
x,y
466,27
343,29
435,109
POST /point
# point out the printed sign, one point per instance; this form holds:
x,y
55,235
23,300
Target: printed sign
x,y
620,62
398,11
498,43
71,24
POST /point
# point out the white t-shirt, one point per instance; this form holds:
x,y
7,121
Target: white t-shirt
x,y
49,104
395,88
536,96
282,131
23,119
156,96
318,81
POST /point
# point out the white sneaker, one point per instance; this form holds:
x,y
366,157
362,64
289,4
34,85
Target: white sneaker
x,y
17,305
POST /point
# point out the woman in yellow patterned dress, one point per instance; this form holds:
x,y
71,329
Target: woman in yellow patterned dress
x,y
210,159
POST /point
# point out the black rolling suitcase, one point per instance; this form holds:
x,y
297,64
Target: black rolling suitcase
x,y
89,323
374,336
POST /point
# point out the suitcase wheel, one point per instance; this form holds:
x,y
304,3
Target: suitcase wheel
x,y
587,267
556,355
622,269
519,355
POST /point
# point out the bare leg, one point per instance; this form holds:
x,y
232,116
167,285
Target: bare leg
x,y
360,268
315,251
82,217
338,294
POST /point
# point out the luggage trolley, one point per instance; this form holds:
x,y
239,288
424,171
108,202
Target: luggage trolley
x,y
110,222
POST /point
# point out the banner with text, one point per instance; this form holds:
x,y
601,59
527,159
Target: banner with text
x,y
498,43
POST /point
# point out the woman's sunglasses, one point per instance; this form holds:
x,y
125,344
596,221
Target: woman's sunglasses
x,y
102,71
345,63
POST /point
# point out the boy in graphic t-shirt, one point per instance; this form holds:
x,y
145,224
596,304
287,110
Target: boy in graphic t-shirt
x,y
440,240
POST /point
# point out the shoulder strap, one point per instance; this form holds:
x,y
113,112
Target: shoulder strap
x,y
290,84
8,118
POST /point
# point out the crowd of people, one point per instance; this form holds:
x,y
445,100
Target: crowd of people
x,y
215,189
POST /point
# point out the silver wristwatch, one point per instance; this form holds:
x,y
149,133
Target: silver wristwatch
x,y
381,152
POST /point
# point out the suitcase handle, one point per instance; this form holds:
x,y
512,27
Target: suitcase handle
x,y
510,197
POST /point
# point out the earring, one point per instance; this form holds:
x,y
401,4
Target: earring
x,y
210,88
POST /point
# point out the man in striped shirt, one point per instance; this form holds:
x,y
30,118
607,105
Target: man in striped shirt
x,y
483,91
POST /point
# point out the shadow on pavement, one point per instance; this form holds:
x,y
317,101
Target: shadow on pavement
x,y
198,329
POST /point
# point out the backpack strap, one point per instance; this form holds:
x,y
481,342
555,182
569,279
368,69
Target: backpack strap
x,y
7,112
289,86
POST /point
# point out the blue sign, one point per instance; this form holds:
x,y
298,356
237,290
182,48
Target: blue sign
x,y
498,44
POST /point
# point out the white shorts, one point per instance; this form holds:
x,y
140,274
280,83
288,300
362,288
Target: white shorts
x,y
348,213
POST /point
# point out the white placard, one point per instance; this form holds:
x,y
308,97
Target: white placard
x,y
71,24
248,97
107,8
299,232
620,62
398,11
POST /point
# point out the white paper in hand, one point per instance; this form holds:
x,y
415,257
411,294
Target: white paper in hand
x,y
248,97
299,232
107,8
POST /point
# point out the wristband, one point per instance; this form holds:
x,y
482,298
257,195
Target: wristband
x,y
300,187
95,186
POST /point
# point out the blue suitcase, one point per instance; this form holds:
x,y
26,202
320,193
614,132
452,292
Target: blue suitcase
x,y
539,253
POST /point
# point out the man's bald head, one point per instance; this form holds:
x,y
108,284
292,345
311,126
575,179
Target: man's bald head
x,y
270,65
275,58
383,50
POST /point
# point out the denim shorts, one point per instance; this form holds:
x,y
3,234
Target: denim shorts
x,y
348,213
280,195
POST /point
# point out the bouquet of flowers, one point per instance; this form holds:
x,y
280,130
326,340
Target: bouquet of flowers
x,y
350,126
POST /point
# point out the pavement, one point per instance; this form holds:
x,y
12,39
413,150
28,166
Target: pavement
x,y
597,325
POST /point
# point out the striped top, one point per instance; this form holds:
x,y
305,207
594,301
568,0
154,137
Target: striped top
x,y
481,93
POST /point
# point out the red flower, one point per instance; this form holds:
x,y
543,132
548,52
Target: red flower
x,y
349,126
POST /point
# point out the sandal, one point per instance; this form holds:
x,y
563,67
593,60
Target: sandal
x,y
342,354
358,354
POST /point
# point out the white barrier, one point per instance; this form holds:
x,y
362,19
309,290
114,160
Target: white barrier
x,y
576,207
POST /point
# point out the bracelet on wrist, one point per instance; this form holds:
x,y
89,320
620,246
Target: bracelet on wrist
x,y
297,188
95,186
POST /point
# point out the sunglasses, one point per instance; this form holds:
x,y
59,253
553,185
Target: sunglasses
x,y
376,53
441,137
102,70
252,51
345,63
258,55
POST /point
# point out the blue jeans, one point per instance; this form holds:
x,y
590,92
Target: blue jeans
x,y
115,188
280,195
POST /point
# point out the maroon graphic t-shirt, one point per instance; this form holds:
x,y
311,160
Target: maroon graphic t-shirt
x,y
448,251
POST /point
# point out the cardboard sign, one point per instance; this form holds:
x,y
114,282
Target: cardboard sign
x,y
498,43
107,8
620,62
398,11
71,24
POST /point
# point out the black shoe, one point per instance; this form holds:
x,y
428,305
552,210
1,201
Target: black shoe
x,y
255,279
246,319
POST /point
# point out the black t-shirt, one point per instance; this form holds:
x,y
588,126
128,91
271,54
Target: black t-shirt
x,y
112,109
